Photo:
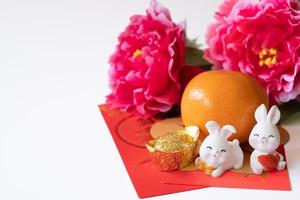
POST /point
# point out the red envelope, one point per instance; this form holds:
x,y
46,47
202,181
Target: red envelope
x,y
130,132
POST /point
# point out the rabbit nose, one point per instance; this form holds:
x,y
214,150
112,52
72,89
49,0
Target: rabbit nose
x,y
264,140
216,153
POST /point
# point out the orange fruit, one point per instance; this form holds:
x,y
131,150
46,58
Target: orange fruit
x,y
226,97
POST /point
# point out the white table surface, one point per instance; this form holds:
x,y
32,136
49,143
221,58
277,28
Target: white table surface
x,y
53,72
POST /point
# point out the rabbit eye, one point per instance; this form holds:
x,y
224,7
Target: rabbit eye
x,y
271,136
223,150
209,147
256,135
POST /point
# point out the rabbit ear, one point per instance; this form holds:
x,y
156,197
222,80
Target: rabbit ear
x,y
261,113
227,131
212,127
274,115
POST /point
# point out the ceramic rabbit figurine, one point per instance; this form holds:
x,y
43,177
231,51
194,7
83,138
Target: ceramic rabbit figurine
x,y
219,153
265,139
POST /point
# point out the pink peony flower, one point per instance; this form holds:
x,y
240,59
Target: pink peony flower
x,y
145,67
262,39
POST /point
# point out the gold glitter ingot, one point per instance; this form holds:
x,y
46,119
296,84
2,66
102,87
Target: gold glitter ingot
x,y
174,150
201,165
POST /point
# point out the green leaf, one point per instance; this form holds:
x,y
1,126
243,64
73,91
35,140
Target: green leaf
x,y
194,57
289,111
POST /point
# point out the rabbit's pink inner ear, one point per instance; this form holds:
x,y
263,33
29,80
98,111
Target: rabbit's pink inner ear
x,y
261,113
274,115
212,127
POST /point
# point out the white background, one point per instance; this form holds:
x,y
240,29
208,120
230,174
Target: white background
x,y
53,72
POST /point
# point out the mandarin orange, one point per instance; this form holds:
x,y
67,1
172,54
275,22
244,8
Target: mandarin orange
x,y
223,96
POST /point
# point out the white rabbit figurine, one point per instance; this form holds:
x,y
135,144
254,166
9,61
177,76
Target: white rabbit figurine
x,y
265,139
218,152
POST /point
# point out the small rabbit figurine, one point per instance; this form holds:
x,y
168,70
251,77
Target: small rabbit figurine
x,y
219,153
265,139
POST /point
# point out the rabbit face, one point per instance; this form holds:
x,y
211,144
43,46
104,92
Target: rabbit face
x,y
265,136
215,149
